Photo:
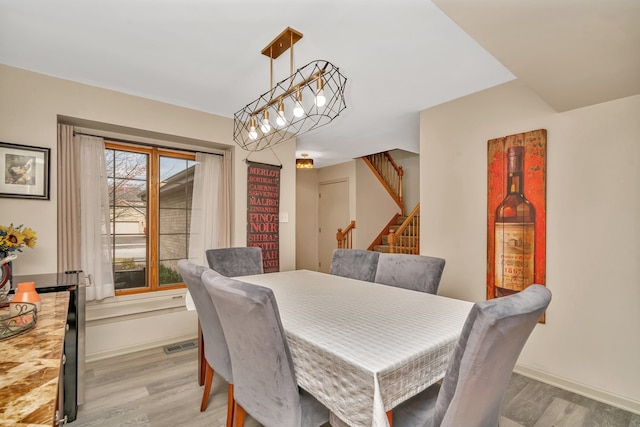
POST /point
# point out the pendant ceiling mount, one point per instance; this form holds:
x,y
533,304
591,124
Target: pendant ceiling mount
x,y
309,98
282,43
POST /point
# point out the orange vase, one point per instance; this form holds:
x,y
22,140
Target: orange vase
x,y
26,292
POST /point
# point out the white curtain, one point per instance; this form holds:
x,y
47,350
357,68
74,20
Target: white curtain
x,y
94,218
209,209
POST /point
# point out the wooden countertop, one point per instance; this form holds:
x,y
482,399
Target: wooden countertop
x,y
30,366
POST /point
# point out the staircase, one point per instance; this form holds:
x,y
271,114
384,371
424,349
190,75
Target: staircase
x,y
407,242
402,233
384,246
388,173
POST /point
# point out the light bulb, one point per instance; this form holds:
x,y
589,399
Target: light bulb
x,y
265,127
253,134
281,120
298,111
320,100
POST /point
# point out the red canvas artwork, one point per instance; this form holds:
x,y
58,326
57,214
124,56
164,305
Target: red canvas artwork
x,y
263,206
516,212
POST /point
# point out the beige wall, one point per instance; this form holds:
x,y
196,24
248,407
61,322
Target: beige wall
x,y
410,163
369,203
29,108
30,105
590,342
307,219
374,206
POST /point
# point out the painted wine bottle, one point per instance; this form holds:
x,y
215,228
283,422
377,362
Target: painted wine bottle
x,y
514,231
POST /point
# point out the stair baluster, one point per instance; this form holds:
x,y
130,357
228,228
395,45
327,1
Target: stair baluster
x,y
345,238
406,238
389,174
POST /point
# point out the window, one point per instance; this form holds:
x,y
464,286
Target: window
x,y
150,191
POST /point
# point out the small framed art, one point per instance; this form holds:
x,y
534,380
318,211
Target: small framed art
x,y
24,171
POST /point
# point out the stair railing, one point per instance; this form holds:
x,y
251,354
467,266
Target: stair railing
x,y
389,174
345,237
406,239
385,231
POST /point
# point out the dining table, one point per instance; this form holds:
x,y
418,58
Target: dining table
x,y
362,348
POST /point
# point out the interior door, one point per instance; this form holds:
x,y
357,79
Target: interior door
x,y
333,213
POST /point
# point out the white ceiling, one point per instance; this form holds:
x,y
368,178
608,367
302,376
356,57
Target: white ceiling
x,y
572,53
399,56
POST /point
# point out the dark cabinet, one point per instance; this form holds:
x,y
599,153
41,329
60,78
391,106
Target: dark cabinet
x,y
73,360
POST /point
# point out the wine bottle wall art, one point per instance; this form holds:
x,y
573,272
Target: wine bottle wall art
x,y
516,212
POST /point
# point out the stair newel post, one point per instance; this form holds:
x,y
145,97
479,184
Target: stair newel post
x,y
400,174
392,241
340,238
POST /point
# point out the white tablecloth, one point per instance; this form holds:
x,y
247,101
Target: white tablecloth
x,y
361,348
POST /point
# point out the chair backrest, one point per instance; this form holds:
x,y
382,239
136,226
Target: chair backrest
x,y
264,378
232,262
354,264
216,350
415,272
479,370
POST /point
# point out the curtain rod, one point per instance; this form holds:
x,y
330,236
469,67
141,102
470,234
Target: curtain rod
x,y
75,132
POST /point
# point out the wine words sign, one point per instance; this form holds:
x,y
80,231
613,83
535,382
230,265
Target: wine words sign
x,y
516,212
263,205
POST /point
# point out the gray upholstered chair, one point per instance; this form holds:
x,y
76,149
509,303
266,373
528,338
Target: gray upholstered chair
x,y
216,352
265,383
479,370
415,272
354,264
240,261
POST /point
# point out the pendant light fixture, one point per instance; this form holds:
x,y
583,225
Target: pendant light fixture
x,y
253,133
281,120
304,162
298,109
309,98
265,127
320,100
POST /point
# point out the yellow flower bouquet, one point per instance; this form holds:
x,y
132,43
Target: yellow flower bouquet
x,y
12,240
15,238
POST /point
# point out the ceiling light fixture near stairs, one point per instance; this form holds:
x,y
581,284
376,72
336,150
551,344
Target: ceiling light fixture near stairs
x,y
304,162
309,98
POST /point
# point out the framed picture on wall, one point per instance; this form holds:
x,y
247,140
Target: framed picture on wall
x,y
516,213
25,171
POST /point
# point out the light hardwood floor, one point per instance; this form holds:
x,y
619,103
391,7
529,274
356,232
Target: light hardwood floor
x,y
152,389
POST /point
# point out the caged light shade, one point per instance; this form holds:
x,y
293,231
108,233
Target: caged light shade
x,y
309,98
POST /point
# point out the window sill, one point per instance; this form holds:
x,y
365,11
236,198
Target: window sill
x,y
136,305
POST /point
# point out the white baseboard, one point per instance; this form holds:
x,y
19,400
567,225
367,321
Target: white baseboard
x,y
138,347
581,389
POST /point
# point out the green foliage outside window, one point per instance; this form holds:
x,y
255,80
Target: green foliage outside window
x,y
126,264
169,275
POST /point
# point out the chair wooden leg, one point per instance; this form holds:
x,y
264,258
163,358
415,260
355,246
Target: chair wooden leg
x,y
239,415
201,360
390,418
208,380
230,405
